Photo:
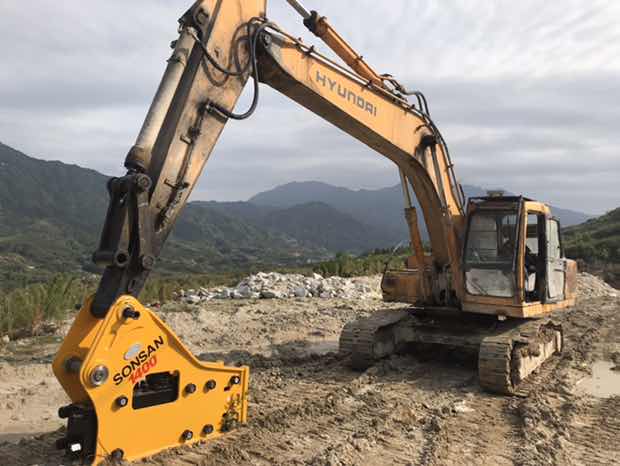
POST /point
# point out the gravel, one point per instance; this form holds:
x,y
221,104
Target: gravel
x,y
273,285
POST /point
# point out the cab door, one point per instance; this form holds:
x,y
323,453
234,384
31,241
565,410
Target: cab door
x,y
556,273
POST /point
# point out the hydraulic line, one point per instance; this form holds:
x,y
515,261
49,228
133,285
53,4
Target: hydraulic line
x,y
253,40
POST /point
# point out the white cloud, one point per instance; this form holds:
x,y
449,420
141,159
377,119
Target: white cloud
x,y
531,86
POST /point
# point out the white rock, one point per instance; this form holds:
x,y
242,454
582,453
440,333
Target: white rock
x,y
192,299
223,294
6,339
270,285
461,408
242,292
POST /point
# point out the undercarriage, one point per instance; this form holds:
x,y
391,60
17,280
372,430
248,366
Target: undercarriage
x,y
508,351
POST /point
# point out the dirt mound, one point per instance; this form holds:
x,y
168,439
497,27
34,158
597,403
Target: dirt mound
x,y
590,286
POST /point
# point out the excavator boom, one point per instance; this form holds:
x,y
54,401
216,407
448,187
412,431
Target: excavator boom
x,y
209,66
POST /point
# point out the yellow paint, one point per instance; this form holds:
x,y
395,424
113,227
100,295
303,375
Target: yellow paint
x,y
522,311
143,432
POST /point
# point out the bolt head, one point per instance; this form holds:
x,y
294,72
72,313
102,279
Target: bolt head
x,y
129,313
117,454
210,385
208,429
73,365
99,375
187,435
235,380
122,401
148,262
190,388
64,412
143,182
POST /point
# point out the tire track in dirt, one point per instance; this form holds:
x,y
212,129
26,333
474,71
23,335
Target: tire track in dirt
x,y
291,415
594,434
558,424
327,414
479,437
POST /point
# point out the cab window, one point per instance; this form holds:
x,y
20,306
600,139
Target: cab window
x,y
490,253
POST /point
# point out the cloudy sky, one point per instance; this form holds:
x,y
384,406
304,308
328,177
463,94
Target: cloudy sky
x,y
526,93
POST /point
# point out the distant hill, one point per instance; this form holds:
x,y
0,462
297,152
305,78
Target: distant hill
x,y
381,208
51,215
596,243
597,239
317,223
207,238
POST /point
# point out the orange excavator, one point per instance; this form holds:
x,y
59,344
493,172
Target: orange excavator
x,y
495,272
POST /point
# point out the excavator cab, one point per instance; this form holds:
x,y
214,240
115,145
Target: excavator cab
x,y
512,264
512,273
513,260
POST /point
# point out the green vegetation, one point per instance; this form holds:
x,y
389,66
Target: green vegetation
x,y
596,245
345,265
24,310
597,240
161,288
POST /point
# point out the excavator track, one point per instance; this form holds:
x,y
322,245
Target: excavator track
x,y
508,352
370,338
506,359
494,360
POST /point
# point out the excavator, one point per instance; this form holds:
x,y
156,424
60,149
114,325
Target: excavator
x,y
495,273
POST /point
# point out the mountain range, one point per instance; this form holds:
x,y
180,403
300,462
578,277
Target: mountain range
x,y
51,215
381,208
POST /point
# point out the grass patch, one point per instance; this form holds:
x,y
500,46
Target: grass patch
x,y
23,310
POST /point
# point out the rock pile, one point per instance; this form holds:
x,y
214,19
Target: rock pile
x,y
275,285
590,286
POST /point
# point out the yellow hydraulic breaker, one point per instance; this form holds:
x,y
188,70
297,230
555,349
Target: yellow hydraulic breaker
x,y
135,389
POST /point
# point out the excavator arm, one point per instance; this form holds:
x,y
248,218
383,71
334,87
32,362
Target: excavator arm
x,y
174,143
134,387
220,45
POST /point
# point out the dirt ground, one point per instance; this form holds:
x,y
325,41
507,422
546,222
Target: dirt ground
x,y
308,408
